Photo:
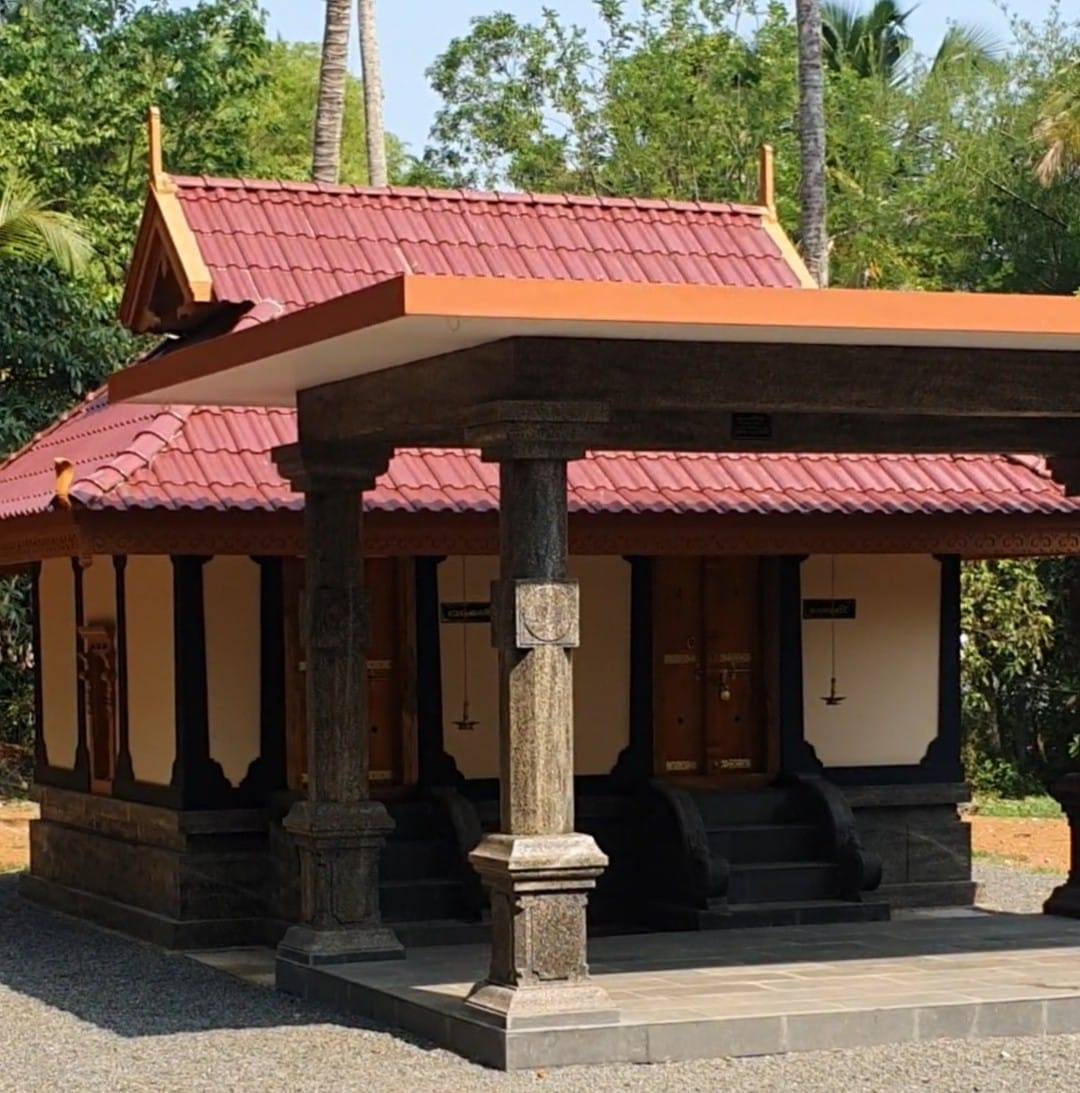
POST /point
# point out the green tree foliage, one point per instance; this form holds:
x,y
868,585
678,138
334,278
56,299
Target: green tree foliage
x,y
76,79
279,131
31,231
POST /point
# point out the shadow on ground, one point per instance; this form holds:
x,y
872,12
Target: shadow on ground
x,y
128,987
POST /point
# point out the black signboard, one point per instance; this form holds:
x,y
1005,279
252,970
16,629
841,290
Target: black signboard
x,y
466,612
828,609
751,426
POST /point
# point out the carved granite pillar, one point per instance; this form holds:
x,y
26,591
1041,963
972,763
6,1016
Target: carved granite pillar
x,y
338,830
1065,899
537,869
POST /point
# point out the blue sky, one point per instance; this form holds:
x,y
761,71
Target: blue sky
x,y
413,32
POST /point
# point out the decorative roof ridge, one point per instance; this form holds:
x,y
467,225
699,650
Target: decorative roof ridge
x,y
497,197
122,466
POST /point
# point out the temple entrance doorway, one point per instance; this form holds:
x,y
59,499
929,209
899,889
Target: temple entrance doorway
x,y
713,721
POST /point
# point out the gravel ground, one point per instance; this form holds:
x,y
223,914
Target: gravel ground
x,y
86,1010
1005,888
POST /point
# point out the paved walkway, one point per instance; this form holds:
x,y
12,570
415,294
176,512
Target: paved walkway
x,y
748,992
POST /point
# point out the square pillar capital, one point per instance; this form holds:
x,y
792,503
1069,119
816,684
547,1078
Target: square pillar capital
x,y
522,429
318,467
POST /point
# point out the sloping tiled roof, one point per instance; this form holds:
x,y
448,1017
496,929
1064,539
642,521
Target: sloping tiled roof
x,y
181,457
294,244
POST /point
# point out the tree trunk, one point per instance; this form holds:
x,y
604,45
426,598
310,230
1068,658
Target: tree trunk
x,y
373,94
330,109
812,196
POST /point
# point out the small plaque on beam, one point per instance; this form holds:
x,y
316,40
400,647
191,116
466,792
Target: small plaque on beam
x,y
466,611
828,609
751,426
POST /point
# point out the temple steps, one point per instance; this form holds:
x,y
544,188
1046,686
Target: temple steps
x,y
802,913
789,842
766,882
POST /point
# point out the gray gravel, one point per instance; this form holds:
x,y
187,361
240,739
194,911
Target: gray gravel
x,y
1020,891
82,1009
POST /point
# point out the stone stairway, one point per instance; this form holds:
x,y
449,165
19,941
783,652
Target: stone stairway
x,y
777,856
426,888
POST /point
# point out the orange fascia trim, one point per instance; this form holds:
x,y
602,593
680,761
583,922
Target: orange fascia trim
x,y
781,315
163,228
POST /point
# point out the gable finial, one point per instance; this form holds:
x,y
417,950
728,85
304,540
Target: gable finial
x,y
153,133
767,178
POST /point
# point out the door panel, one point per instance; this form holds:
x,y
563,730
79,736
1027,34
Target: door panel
x,y
709,710
677,642
734,730
384,675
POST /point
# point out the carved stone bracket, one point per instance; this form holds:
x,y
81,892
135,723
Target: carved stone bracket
x,y
860,870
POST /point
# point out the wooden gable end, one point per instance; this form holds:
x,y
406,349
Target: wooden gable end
x,y
168,288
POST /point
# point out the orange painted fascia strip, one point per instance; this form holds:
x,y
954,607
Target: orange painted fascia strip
x,y
788,311
194,275
370,306
870,311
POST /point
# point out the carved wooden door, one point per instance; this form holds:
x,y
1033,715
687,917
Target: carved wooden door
x,y
708,716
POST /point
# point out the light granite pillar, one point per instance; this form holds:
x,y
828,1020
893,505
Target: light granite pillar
x,y
338,830
537,869
1065,899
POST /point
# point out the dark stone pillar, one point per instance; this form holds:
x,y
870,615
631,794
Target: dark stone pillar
x,y
338,830
197,778
634,766
435,766
1065,899
124,773
267,774
537,869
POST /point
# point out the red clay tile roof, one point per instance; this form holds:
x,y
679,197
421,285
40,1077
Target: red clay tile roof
x,y
297,244
181,457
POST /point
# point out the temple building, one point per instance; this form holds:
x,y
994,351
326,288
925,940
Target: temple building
x,y
765,718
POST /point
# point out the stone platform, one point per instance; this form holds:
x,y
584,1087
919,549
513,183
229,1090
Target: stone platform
x,y
742,992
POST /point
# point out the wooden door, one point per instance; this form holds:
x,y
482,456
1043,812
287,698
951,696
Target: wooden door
x,y
709,711
391,756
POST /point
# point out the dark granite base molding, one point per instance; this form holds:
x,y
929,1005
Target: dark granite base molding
x,y
169,933
923,844
179,879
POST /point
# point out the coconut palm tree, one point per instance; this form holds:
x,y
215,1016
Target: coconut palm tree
x,y
1057,131
374,130
31,231
876,42
330,107
813,230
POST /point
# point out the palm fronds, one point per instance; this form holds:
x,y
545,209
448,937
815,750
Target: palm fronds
x,y
31,231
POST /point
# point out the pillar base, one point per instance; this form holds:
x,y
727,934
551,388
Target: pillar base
x,y
339,845
539,972
1065,899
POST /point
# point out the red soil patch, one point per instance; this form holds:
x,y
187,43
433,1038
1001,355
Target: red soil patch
x,y
1036,844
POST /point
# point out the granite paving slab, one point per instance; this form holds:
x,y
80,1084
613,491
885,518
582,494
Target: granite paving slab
x,y
748,992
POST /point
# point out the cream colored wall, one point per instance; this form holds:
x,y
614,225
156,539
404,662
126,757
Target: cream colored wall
x,y
150,666
59,676
887,659
601,666
99,590
232,617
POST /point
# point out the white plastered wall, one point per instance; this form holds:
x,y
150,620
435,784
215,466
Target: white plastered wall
x,y
887,659
601,666
148,586
232,618
59,676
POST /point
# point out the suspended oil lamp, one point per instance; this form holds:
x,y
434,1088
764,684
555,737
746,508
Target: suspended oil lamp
x,y
833,698
465,723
